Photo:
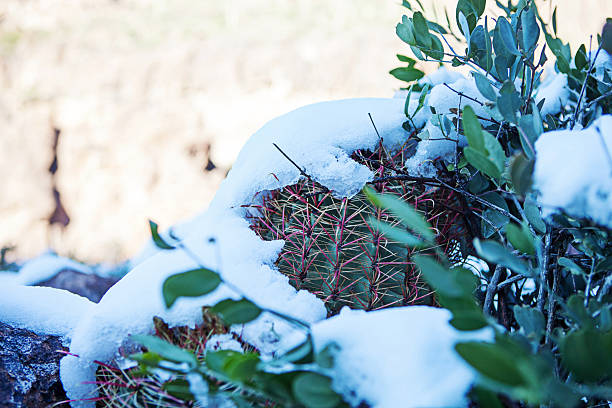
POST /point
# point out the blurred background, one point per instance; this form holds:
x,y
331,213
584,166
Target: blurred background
x,y
113,112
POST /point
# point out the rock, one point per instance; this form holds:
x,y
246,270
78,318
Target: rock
x,y
29,368
91,286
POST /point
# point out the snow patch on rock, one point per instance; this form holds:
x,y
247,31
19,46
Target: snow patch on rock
x,y
42,310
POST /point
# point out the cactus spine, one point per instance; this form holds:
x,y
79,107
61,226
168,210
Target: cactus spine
x,y
333,250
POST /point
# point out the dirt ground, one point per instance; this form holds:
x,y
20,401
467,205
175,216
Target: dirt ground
x,y
152,101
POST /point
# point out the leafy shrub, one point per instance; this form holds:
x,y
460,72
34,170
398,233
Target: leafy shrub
x,y
553,340
553,345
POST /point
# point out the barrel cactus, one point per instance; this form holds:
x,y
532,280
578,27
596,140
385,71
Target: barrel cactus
x,y
333,247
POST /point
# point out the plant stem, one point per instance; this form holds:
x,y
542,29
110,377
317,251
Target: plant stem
x,y
584,85
551,306
510,281
543,270
492,289
587,291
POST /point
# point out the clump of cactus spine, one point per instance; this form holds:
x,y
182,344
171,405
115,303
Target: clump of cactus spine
x,y
334,249
140,387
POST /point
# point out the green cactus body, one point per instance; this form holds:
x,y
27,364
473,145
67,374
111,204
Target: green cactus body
x,y
333,250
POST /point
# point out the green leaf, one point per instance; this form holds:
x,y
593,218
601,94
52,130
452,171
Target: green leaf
x,y
236,311
570,265
404,31
507,36
481,162
486,398
216,360
397,234
531,127
587,353
178,388
406,59
165,349
157,239
437,49
531,321
193,283
326,357
472,129
468,320
404,211
532,212
464,27
488,47
561,51
496,220
531,31
492,361
407,74
606,37
581,58
495,152
496,253
421,30
148,358
300,352
470,17
314,391
520,237
509,102
241,366
422,96
479,6
436,27
521,170
484,87
439,277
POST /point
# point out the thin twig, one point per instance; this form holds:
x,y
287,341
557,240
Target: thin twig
x,y
376,130
543,270
584,85
302,172
481,201
430,180
587,291
492,289
551,305
463,95
594,101
510,281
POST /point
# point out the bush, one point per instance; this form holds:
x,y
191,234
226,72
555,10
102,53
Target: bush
x,y
541,284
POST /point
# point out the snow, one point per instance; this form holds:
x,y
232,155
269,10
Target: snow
x,y
42,310
398,357
226,341
319,138
435,144
573,171
42,268
130,305
554,91
440,76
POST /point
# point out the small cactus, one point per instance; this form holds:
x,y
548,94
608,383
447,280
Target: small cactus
x,y
135,387
332,250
